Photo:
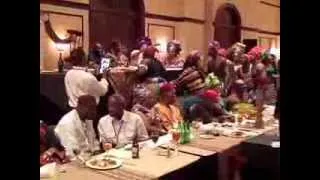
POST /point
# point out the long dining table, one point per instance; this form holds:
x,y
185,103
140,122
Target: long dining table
x,y
150,165
201,158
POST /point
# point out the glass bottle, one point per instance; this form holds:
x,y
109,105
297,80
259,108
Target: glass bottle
x,y
135,148
60,63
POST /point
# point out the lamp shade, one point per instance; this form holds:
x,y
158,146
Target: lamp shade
x,y
61,47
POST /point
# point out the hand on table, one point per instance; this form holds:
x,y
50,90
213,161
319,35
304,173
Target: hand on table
x,y
107,146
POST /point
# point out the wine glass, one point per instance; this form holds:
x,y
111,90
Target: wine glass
x,y
154,136
175,138
106,148
196,124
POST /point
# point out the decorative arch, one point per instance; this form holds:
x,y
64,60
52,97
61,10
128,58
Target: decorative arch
x,y
74,39
227,25
123,20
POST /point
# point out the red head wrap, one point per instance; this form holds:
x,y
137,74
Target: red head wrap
x,y
255,53
211,95
150,51
167,87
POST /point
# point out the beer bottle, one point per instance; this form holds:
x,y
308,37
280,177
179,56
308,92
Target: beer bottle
x,y
135,148
60,64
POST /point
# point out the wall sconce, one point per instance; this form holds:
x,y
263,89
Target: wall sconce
x,y
61,48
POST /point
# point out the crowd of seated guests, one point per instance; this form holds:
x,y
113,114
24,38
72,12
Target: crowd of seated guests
x,y
241,78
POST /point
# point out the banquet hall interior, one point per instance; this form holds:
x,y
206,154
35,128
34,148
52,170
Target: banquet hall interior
x,y
159,89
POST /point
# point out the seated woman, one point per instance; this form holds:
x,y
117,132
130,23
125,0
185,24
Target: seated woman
x,y
151,71
172,57
192,78
207,107
50,148
117,54
169,113
143,102
150,68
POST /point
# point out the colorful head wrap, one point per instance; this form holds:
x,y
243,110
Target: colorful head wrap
x,y
167,87
255,53
145,40
214,44
211,95
150,51
192,60
239,46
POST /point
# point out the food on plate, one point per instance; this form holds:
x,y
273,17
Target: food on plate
x,y
245,111
94,162
227,125
237,134
103,163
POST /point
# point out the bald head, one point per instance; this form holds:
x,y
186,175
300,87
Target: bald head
x,y
116,106
86,107
86,100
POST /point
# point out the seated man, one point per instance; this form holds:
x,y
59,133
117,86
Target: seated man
x,y
75,129
50,148
170,114
120,127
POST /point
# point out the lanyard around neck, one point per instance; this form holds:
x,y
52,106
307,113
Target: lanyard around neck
x,y
117,133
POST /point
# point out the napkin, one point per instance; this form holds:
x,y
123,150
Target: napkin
x,y
48,170
206,128
275,144
162,140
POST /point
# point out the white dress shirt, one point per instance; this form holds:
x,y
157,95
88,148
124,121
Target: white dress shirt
x,y
122,132
79,82
75,134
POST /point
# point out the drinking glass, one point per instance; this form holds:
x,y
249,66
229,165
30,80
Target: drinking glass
x,y
106,148
176,135
154,136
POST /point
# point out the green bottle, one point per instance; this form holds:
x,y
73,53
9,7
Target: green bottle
x,y
181,130
187,133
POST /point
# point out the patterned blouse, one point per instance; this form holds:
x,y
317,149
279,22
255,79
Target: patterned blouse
x,y
192,80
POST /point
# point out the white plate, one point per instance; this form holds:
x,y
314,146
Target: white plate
x,y
206,136
233,135
118,164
